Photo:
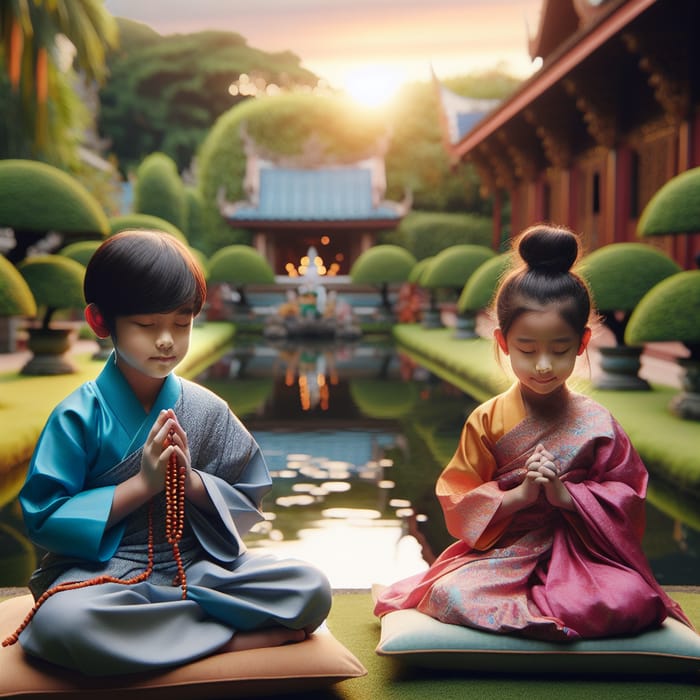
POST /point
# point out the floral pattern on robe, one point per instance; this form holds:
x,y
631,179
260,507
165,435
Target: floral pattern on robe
x,y
542,572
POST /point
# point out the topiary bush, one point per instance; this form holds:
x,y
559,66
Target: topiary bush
x,y
159,191
675,208
670,311
478,293
16,297
452,267
38,198
240,266
381,266
80,251
194,222
418,270
56,283
619,275
144,221
427,233
481,287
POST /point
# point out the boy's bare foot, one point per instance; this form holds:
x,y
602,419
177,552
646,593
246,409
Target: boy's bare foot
x,y
260,639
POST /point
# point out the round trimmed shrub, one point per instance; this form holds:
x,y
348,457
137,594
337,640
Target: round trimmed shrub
x,y
159,191
670,311
382,264
40,197
80,251
419,269
453,266
16,298
194,223
239,265
144,221
480,288
675,208
56,283
619,275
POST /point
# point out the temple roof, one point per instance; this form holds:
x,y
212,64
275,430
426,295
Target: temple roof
x,y
341,193
461,114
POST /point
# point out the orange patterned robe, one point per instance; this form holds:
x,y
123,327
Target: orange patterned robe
x,y
544,572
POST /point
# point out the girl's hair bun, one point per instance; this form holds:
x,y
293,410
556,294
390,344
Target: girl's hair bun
x,y
548,249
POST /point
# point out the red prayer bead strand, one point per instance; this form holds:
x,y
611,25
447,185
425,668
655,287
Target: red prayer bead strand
x,y
175,478
174,526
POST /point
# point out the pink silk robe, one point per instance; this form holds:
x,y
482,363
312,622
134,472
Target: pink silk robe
x,y
544,572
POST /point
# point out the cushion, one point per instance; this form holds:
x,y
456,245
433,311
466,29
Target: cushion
x,y
314,663
420,640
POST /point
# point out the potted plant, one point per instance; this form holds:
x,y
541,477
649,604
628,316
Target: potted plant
x,y
619,275
478,293
239,266
56,283
670,311
381,266
82,251
450,269
16,300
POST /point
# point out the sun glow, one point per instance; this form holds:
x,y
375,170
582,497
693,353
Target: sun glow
x,y
372,85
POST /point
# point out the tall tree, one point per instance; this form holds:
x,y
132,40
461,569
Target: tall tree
x,y
39,42
164,93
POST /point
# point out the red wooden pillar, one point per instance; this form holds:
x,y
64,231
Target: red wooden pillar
x,y
622,193
497,220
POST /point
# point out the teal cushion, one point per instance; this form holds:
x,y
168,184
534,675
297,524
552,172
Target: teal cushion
x,y
420,640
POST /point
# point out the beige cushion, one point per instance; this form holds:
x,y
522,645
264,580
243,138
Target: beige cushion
x,y
315,663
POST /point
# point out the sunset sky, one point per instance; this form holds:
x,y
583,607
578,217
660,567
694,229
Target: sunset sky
x,y
371,41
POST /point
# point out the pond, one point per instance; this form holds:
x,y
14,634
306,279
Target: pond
x,y
355,436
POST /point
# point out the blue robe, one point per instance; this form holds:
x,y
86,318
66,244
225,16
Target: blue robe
x,y
92,441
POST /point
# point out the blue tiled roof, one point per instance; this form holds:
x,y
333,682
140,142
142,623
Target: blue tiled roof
x,y
462,113
331,194
466,121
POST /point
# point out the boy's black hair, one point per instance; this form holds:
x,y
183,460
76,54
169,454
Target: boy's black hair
x,y
143,272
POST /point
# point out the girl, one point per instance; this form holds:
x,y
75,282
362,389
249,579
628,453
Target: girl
x,y
141,488
545,492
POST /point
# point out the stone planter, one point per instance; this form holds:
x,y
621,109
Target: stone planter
x,y
465,327
50,347
104,348
687,403
620,366
8,334
432,318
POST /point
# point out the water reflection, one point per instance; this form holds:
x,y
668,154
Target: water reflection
x,y
354,471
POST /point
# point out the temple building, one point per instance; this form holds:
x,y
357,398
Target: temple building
x,y
611,116
296,203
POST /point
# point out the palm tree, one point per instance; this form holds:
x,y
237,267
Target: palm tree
x,y
43,108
